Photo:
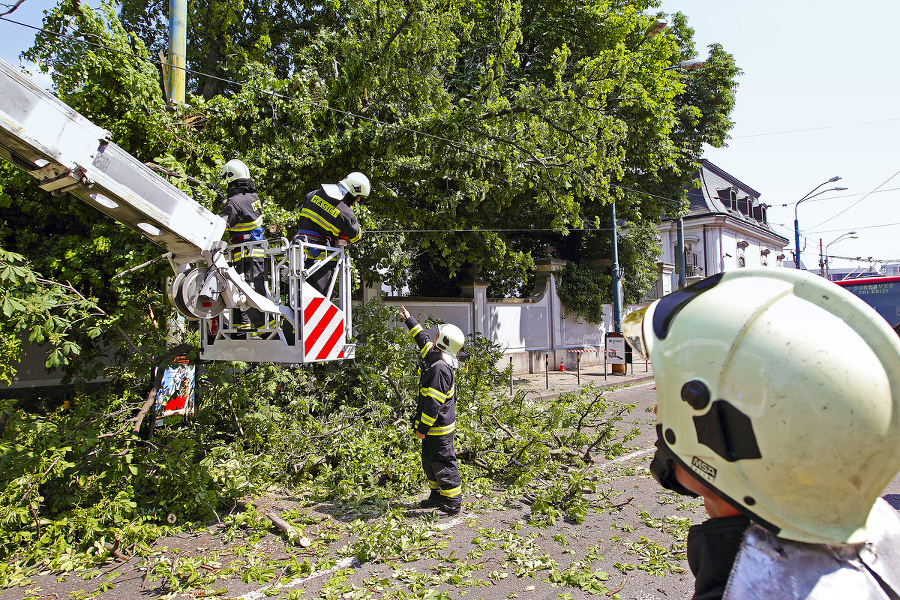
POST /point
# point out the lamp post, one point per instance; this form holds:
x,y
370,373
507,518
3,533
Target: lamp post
x,y
685,65
616,275
850,235
797,224
688,65
655,29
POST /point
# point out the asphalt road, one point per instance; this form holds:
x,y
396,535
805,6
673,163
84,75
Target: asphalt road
x,y
629,546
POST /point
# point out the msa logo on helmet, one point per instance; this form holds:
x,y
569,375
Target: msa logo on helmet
x,y
706,470
357,190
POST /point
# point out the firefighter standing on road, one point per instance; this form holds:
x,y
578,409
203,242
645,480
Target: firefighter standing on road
x,y
435,418
242,212
779,403
326,215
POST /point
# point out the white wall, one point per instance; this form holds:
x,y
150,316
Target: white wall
x,y
529,331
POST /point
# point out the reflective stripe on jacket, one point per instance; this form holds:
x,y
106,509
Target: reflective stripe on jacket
x,y
328,216
242,212
436,403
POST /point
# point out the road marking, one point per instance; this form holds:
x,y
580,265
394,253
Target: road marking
x,y
627,457
258,594
450,524
343,564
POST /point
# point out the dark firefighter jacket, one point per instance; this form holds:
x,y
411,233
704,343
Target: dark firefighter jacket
x,y
243,214
436,406
323,216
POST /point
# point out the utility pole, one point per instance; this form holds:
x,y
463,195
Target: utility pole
x,y
679,253
616,274
821,259
177,50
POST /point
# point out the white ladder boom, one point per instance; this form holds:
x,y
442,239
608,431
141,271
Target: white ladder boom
x,y
67,153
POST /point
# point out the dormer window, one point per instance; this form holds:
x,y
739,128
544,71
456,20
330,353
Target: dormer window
x,y
759,212
728,197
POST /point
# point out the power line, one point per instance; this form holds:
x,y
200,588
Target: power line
x,y
857,202
822,128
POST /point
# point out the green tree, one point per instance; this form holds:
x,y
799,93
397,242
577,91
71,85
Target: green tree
x,y
493,129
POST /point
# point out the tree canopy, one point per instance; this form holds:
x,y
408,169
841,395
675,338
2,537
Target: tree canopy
x,y
493,132
490,129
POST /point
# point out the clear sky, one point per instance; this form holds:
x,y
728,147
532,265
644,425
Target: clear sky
x,y
819,97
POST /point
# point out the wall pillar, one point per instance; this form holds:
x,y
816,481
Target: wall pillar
x,y
664,282
371,288
477,291
544,269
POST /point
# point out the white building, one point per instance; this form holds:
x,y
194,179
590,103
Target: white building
x,y
725,228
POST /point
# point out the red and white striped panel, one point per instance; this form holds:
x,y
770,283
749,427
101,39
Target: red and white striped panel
x,y
323,328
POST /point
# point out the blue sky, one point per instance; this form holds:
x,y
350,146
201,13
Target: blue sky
x,y
820,96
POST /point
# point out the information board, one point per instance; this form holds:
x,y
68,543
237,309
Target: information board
x,y
615,348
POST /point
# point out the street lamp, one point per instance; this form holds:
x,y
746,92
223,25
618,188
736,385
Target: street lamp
x,y
850,235
655,29
688,65
796,223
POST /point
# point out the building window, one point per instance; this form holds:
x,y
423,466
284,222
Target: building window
x,y
741,246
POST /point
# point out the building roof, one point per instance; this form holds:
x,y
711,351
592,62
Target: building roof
x,y
717,192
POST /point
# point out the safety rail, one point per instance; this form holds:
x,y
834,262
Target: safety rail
x,y
312,326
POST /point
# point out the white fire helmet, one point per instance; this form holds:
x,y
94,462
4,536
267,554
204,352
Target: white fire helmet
x,y
780,392
234,169
450,339
357,184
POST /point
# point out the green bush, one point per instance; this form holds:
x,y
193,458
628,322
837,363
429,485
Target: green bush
x,y
583,290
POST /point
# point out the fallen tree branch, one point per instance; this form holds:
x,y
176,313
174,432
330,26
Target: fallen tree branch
x,y
503,427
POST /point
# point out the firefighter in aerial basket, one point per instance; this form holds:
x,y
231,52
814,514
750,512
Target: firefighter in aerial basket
x,y
242,212
435,418
778,402
326,216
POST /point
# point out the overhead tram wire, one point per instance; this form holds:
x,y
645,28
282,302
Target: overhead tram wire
x,y
857,202
504,230
839,196
310,102
808,129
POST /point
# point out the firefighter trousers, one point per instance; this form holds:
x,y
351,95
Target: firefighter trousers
x,y
440,466
254,272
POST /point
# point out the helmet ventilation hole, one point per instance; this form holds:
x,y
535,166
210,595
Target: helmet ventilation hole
x,y
670,436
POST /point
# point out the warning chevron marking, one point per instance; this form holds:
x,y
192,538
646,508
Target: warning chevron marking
x,y
323,331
